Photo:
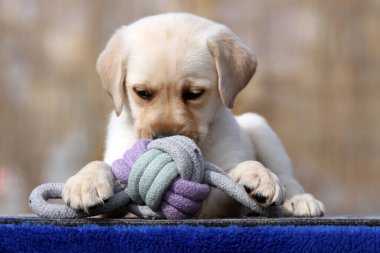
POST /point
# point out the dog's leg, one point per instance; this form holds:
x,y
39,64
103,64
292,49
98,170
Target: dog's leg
x,y
94,183
89,187
259,182
270,151
120,136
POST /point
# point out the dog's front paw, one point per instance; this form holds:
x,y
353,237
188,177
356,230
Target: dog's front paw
x,y
259,182
303,205
89,187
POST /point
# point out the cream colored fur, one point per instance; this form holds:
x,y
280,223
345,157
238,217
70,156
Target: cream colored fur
x,y
169,55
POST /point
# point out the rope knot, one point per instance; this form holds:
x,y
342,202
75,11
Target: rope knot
x,y
165,174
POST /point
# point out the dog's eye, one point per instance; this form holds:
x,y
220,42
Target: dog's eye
x,y
144,94
191,95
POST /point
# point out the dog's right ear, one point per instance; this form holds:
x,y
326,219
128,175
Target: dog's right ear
x,y
111,67
235,63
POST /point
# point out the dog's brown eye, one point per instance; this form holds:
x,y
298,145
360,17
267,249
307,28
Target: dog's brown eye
x,y
191,95
144,94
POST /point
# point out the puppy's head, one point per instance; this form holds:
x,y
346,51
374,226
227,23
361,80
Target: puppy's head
x,y
173,73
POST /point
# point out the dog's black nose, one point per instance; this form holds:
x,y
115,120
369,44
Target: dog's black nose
x,y
162,135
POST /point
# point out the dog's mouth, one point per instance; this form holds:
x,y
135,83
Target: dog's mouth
x,y
146,134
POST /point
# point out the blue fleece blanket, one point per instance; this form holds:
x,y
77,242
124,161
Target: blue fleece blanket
x,y
27,237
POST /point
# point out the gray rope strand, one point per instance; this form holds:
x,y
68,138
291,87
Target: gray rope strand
x,y
38,201
216,177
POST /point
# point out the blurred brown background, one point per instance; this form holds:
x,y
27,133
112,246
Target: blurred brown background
x,y
318,84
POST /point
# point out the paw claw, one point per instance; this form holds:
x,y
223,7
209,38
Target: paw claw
x,y
247,189
260,198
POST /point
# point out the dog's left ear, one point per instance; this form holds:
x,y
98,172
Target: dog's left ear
x,y
235,63
111,67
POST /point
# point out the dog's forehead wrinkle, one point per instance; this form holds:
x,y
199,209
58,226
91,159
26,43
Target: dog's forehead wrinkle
x,y
165,67
170,47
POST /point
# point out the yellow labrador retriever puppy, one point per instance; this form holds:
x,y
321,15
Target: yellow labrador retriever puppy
x,y
177,74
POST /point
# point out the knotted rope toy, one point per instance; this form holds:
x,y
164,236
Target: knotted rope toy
x,y
163,178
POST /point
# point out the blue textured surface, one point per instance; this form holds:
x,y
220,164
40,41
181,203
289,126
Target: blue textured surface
x,y
184,238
